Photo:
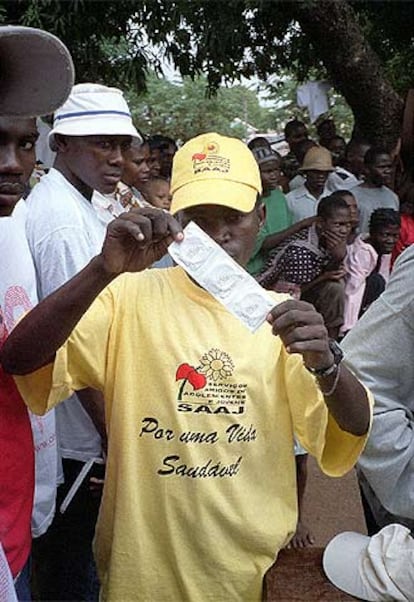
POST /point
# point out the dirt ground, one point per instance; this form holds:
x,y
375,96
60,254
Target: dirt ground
x,y
332,505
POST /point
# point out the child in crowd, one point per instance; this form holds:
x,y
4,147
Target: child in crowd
x,y
157,193
384,231
136,170
313,260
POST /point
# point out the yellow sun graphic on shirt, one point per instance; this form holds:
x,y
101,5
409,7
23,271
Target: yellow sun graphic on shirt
x,y
217,364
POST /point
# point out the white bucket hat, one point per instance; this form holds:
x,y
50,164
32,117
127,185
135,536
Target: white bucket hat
x,y
377,568
92,110
36,72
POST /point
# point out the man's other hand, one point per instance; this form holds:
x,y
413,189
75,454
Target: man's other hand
x,y
303,331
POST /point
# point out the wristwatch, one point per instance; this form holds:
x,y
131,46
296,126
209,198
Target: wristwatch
x,y
338,357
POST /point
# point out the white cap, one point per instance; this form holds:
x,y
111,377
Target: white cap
x,y
92,110
377,568
36,72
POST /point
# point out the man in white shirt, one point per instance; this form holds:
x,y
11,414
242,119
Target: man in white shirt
x,y
374,193
302,202
90,133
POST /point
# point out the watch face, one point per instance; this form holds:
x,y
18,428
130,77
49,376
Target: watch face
x,y
336,350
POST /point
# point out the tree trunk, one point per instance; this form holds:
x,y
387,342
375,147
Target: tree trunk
x,y
353,67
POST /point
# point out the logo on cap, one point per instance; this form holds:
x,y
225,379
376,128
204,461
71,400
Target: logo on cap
x,y
209,159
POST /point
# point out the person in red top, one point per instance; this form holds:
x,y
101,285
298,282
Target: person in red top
x,y
25,53
406,237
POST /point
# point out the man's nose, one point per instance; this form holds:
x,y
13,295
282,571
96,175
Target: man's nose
x,y
10,160
116,157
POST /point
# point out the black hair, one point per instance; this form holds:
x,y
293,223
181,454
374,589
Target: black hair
x,y
372,153
329,204
337,137
302,148
293,125
343,192
161,142
158,179
258,141
383,217
355,142
323,122
136,143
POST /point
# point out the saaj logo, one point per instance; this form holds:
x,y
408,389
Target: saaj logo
x,y
209,159
214,364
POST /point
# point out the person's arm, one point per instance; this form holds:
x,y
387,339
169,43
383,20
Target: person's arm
x,y
273,240
302,330
133,242
94,404
335,274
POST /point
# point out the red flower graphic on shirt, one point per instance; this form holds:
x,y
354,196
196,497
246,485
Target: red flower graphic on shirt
x,y
188,373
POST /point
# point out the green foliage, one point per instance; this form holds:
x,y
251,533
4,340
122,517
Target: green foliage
x,y
111,41
183,109
104,44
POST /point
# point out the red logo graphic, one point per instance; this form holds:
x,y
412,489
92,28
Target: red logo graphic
x,y
198,156
190,374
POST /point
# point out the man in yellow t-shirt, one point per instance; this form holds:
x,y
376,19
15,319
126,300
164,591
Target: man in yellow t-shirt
x,y
200,492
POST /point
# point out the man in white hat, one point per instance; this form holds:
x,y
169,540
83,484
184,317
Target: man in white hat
x,y
26,55
91,131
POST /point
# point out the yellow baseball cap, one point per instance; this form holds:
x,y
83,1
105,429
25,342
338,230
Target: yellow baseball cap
x,y
215,170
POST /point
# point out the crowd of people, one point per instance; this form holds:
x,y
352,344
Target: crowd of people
x,y
145,467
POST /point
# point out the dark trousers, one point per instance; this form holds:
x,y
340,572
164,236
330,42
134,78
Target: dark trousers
x,y
63,563
329,300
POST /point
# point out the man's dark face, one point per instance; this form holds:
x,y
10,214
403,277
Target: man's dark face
x,y
299,134
167,155
17,159
337,148
94,162
270,174
233,230
155,162
385,239
379,173
355,158
136,171
316,178
327,130
339,223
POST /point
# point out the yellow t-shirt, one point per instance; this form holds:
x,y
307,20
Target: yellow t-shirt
x,y
200,490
